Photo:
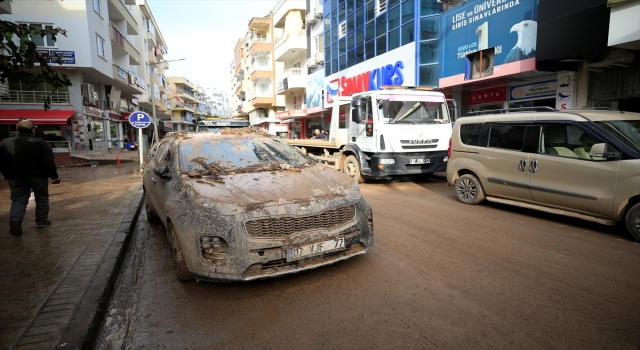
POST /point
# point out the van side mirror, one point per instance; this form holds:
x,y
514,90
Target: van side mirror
x,y
602,150
356,110
163,171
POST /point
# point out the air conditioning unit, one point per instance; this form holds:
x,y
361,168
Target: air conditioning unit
x,y
96,102
89,96
598,60
319,58
485,69
112,105
311,18
318,11
342,29
311,62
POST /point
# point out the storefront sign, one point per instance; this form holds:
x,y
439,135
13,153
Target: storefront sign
x,y
66,57
282,85
394,68
484,96
94,112
506,28
542,89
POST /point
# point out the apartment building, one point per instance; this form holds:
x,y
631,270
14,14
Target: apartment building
x,y
102,56
253,77
219,104
189,104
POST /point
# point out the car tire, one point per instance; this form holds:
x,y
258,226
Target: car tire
x,y
632,220
152,215
182,272
351,167
469,189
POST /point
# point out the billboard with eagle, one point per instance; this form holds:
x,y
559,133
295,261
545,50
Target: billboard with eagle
x,y
487,39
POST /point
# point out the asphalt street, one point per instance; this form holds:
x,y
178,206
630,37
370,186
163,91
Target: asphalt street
x,y
440,275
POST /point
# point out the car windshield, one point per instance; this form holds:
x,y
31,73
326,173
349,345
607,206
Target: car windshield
x,y
239,152
626,131
410,109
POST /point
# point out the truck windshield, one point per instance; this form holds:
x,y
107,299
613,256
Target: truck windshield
x,y
411,109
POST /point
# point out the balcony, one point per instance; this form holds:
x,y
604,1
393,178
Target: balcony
x,y
291,80
118,11
284,7
259,44
120,74
120,44
260,70
18,96
290,45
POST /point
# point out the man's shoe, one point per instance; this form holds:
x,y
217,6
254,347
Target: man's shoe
x,y
15,227
47,223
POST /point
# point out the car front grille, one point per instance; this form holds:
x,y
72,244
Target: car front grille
x,y
283,227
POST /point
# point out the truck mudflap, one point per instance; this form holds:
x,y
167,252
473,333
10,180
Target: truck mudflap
x,y
388,164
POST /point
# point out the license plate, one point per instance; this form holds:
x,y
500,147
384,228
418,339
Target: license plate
x,y
314,249
420,161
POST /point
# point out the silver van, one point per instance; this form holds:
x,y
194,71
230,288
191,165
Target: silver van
x,y
579,163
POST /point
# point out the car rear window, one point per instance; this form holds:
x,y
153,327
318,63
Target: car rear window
x,y
507,136
470,133
239,152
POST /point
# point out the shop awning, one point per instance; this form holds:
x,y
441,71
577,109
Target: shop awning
x,y
37,116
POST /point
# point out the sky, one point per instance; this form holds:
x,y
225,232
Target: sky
x,y
205,32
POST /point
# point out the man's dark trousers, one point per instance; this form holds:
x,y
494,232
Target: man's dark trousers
x,y
20,192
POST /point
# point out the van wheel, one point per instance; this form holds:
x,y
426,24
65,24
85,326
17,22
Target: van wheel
x,y
351,167
633,221
182,272
469,189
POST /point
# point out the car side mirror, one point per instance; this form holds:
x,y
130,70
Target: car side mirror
x,y
163,171
603,150
356,110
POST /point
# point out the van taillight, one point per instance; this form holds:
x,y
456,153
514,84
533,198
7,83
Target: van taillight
x,y
449,150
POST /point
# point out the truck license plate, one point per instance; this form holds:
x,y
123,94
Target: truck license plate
x,y
314,249
420,161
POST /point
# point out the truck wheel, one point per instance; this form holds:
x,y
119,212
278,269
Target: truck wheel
x,y
351,167
182,272
469,189
633,221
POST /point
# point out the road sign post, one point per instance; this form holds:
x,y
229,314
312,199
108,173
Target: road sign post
x,y
140,120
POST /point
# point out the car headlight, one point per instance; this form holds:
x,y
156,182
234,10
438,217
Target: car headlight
x,y
387,161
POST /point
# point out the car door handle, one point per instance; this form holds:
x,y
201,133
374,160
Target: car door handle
x,y
523,165
153,178
533,166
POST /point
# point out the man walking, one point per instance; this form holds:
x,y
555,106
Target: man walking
x,y
26,162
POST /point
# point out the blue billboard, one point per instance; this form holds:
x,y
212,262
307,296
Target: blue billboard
x,y
504,30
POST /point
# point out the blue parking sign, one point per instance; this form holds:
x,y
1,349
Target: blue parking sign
x,y
139,120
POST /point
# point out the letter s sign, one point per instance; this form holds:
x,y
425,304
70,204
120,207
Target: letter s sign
x,y
563,106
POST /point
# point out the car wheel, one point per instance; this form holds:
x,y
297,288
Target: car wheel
x,y
633,221
351,167
469,189
152,216
182,272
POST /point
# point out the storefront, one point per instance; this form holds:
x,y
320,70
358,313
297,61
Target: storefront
x,y
51,124
486,99
97,127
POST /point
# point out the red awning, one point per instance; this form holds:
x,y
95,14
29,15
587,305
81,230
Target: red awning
x,y
37,116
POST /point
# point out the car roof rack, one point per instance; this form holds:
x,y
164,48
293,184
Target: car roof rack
x,y
517,109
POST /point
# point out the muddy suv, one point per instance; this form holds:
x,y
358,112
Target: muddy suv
x,y
580,163
239,206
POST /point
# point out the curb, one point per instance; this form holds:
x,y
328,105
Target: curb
x,y
84,329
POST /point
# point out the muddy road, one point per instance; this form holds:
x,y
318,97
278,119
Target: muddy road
x,y
440,275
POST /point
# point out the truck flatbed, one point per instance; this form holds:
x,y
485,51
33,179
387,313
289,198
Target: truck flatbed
x,y
311,143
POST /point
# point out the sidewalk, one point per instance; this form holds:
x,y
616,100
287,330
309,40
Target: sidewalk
x,y
105,157
56,281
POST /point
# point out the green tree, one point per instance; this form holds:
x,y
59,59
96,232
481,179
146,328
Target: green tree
x,y
20,59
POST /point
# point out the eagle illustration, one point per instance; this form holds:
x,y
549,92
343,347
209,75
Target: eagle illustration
x,y
526,45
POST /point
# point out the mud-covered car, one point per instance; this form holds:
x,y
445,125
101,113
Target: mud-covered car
x,y
239,206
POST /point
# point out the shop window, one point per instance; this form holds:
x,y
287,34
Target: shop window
x,y
429,52
381,45
408,11
370,31
360,54
429,28
428,75
430,7
381,25
394,18
359,17
370,50
394,39
407,35
480,64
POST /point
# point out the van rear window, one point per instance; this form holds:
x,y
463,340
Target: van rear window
x,y
470,133
507,136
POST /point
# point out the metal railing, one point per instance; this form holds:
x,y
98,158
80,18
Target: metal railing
x,y
183,91
259,40
18,96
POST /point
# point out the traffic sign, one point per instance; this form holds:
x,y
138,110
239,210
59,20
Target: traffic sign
x,y
139,120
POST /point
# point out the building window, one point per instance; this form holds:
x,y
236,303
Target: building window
x,y
100,45
342,29
381,6
96,6
47,40
430,7
429,28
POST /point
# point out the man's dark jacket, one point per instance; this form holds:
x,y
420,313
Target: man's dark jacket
x,y
26,156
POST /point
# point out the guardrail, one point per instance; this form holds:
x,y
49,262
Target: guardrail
x,y
18,96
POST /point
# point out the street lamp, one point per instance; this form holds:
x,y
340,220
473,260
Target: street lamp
x,y
153,98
